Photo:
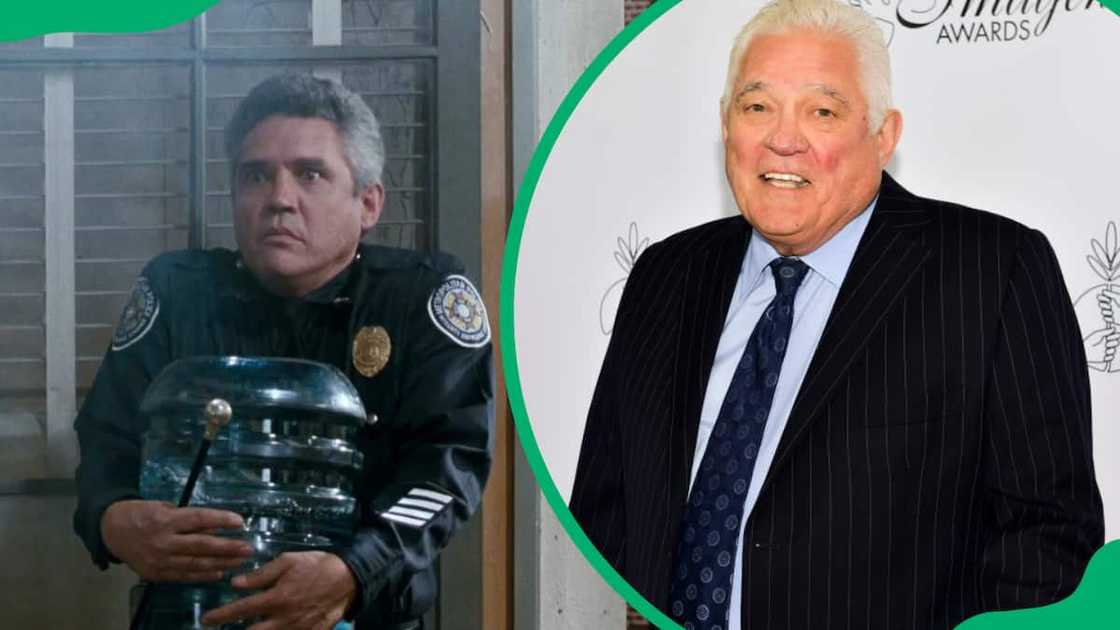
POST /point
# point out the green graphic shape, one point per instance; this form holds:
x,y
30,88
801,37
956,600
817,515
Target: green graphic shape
x,y
29,19
1088,606
1093,606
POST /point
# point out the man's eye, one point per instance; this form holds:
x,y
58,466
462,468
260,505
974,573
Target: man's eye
x,y
825,113
253,177
754,107
311,174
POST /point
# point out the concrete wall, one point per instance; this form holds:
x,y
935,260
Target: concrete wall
x,y
47,580
553,42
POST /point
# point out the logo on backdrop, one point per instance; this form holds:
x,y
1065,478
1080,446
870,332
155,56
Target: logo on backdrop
x,y
626,255
1096,307
973,21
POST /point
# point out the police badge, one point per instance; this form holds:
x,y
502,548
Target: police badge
x,y
457,310
371,349
139,314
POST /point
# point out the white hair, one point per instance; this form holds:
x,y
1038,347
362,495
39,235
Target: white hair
x,y
828,16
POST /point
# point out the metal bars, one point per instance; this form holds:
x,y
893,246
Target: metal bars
x,y
59,318
197,236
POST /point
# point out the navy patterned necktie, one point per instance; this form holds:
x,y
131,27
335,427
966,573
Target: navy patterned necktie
x,y
704,565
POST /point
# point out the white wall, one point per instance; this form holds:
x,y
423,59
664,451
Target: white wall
x,y
1024,128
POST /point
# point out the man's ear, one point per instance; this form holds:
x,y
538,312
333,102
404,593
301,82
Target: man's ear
x,y
373,200
723,120
888,136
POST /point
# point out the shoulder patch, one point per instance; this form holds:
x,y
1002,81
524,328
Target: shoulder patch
x,y
139,314
457,311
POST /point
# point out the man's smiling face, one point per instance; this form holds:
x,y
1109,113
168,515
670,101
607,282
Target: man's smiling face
x,y
799,157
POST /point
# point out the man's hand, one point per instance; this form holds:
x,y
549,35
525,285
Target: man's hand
x,y
164,543
307,590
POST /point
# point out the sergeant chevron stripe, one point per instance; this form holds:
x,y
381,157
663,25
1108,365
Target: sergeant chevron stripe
x,y
418,507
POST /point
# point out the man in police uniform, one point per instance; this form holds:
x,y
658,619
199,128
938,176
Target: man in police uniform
x,y
409,331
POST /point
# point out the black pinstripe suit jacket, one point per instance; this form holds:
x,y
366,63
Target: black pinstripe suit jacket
x,y
937,461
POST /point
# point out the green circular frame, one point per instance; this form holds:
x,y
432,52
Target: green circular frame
x,y
1106,561
29,18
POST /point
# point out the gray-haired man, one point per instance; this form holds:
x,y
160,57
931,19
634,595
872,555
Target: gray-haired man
x,y
850,407
306,158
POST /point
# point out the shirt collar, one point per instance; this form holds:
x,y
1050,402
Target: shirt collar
x,y
831,260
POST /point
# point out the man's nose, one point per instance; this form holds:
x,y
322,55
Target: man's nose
x,y
786,137
284,192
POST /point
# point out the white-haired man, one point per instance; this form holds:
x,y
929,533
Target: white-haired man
x,y
856,408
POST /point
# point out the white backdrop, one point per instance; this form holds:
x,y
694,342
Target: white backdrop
x,y
1026,128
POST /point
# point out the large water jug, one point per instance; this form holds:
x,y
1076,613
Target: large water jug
x,y
287,462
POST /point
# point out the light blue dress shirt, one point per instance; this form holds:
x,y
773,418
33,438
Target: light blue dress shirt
x,y
753,292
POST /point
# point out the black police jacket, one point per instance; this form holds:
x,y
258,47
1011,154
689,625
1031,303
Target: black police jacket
x,y
433,400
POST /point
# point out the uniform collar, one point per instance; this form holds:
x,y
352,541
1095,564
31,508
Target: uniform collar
x,y
336,290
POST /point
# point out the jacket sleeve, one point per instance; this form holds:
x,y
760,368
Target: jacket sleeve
x,y
108,424
441,438
597,501
1041,496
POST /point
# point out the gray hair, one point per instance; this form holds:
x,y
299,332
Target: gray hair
x,y
830,16
307,96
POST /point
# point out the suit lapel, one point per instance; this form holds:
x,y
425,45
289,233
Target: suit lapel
x,y
887,260
709,285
